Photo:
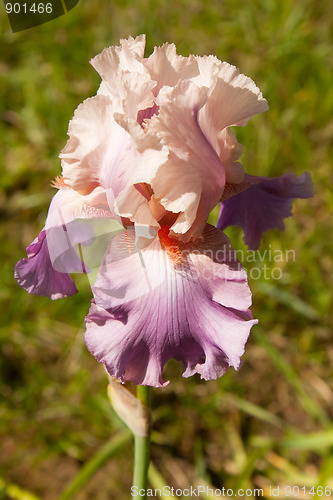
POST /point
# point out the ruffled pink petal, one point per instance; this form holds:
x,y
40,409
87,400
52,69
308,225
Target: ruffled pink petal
x,y
233,99
100,152
264,204
131,93
150,154
197,98
188,302
95,139
193,177
166,67
108,149
209,67
125,57
135,45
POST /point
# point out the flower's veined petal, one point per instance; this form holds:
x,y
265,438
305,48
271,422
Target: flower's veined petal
x,y
264,205
92,133
112,154
134,206
231,189
172,300
68,205
193,176
136,45
232,101
130,93
125,57
166,67
209,67
37,275
150,155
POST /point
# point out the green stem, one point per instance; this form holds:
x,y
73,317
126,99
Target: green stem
x,y
142,447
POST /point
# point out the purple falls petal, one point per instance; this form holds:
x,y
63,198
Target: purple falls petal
x,y
37,275
152,306
264,205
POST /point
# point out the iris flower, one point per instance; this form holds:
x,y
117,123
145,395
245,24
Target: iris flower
x,y
153,151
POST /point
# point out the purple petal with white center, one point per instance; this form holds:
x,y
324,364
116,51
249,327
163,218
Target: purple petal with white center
x,y
264,204
150,307
52,255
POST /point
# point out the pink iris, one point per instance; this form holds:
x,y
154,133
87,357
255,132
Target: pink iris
x,y
152,152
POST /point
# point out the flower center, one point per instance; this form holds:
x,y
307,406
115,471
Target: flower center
x,y
170,245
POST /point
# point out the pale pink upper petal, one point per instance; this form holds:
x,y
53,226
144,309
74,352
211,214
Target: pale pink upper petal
x,y
136,45
193,172
104,151
150,155
209,67
232,101
91,131
166,67
130,92
125,57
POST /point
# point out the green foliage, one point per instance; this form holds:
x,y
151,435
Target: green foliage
x,y
270,423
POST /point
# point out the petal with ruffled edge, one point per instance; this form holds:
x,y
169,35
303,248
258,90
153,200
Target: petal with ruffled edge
x,y
264,205
97,149
151,154
166,67
91,130
124,78
192,180
233,99
102,152
172,300
125,57
193,122
52,255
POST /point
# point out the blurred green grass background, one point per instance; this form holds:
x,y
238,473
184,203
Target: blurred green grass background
x,y
271,422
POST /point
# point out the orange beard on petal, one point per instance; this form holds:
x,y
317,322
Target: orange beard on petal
x,y
59,182
170,245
